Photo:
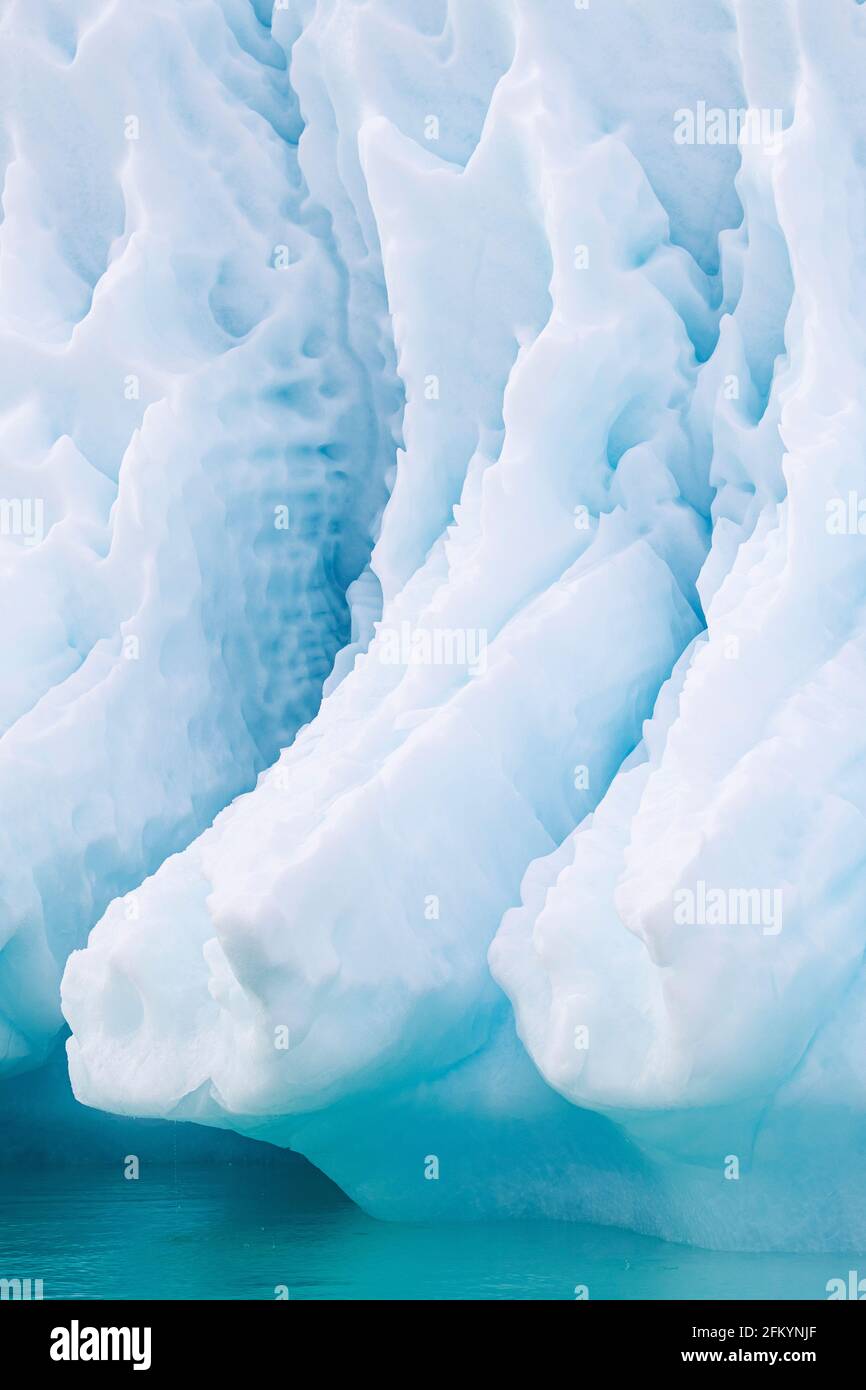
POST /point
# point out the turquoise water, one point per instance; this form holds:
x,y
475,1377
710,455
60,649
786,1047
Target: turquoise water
x,y
238,1232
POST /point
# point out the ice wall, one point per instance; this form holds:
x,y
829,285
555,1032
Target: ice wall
x,y
193,454
556,905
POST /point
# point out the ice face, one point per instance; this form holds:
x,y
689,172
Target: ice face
x,y
193,446
555,906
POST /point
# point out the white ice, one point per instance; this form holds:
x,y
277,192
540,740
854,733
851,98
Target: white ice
x,y
606,663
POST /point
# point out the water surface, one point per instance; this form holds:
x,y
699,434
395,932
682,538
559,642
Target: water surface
x,y
240,1232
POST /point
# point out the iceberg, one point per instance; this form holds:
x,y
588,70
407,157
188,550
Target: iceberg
x,y
481,814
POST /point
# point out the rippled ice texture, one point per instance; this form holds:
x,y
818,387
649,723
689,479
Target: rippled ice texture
x,y
478,365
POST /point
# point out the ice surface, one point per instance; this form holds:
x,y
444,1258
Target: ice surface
x,y
191,452
556,904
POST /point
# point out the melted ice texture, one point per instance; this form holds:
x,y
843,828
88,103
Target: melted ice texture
x,y
388,323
